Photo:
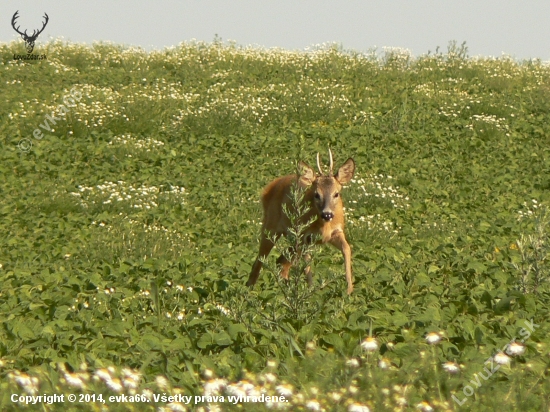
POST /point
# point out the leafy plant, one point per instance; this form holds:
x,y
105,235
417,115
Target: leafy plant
x,y
533,267
300,251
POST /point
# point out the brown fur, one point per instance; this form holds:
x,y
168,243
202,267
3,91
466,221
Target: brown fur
x,y
276,223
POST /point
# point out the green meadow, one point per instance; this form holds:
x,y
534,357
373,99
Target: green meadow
x,y
130,219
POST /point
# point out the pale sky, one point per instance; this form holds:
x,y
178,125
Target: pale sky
x,y
489,27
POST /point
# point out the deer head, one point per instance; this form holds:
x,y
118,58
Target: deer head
x,y
326,187
29,40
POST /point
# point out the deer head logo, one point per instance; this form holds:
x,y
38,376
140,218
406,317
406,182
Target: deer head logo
x,y
29,40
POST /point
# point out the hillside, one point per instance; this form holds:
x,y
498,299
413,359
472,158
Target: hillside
x,y
130,219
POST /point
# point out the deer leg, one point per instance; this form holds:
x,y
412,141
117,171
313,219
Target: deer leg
x,y
338,240
265,247
285,264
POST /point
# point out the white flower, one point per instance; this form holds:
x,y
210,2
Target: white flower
x,y
515,348
130,378
175,407
424,407
162,382
270,377
433,338
369,344
103,374
451,367
502,359
74,380
247,386
401,401
129,373
235,390
114,385
214,386
284,390
28,383
353,362
130,383
313,405
357,407
384,363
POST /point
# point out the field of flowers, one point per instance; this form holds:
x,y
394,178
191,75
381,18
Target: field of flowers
x,y
130,219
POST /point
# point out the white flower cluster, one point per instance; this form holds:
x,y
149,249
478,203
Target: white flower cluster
x,y
529,209
138,197
375,186
128,140
257,104
478,121
380,186
396,57
450,88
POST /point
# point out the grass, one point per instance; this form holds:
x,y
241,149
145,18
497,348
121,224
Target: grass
x,y
129,229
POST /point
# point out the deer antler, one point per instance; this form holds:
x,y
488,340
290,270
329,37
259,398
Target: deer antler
x,y
24,34
330,160
13,19
319,165
43,26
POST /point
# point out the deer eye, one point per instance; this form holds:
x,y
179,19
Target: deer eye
x,y
317,196
336,194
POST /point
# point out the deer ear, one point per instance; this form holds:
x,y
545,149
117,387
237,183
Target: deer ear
x,y
307,175
345,173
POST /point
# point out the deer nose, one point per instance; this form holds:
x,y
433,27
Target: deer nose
x,y
327,216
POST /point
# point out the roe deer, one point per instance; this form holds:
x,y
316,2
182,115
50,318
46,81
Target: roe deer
x,y
322,192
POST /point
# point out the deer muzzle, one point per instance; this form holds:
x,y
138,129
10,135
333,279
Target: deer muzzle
x,y
327,216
